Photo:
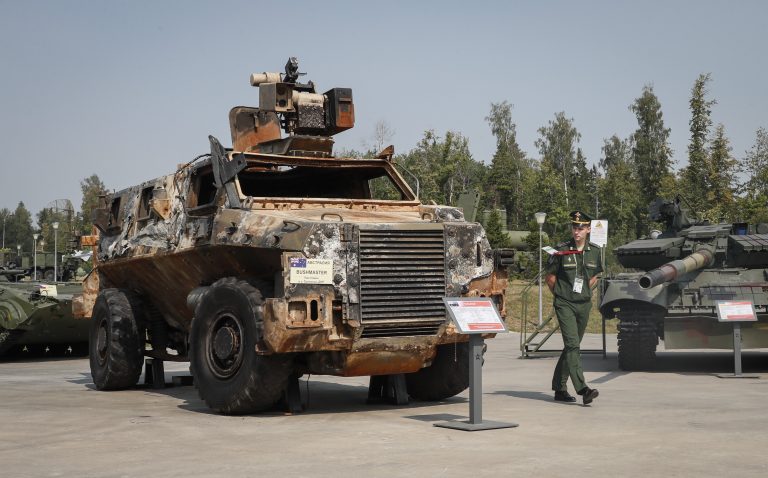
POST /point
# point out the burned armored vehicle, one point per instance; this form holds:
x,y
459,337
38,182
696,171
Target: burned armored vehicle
x,y
275,258
689,267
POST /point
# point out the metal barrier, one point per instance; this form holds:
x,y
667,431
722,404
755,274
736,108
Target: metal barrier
x,y
528,347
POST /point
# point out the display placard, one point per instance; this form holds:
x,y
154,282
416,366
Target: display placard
x,y
599,232
474,315
311,271
49,290
736,311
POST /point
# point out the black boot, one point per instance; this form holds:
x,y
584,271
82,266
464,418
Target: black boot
x,y
564,396
588,394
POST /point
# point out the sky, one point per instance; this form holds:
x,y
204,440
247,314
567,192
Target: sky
x,y
128,90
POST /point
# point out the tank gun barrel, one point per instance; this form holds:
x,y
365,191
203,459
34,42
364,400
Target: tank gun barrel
x,y
673,269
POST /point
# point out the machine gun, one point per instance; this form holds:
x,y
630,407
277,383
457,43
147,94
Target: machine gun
x,y
671,213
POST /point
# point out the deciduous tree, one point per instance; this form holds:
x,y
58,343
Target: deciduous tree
x,y
92,188
557,147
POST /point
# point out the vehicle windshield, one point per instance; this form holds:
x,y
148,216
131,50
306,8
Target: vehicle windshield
x,y
347,182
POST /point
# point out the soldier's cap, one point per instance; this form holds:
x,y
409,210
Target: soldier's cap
x,y
580,218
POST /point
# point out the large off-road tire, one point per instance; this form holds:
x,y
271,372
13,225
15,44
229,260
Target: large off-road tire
x,y
230,376
447,376
116,340
637,339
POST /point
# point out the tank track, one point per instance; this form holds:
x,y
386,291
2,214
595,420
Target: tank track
x,y
637,340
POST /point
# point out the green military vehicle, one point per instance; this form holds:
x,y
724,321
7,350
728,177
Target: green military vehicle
x,y
274,259
688,269
20,266
39,318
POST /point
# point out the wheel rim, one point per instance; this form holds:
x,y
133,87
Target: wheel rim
x,y
102,343
224,345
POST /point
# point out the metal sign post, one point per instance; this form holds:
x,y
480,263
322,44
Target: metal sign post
x,y
475,316
599,236
736,312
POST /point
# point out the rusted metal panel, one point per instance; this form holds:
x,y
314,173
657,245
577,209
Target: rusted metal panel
x,y
82,304
250,127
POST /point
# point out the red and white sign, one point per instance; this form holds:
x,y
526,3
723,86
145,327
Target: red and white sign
x,y
735,311
474,315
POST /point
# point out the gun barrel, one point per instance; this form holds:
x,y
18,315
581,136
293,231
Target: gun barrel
x,y
671,270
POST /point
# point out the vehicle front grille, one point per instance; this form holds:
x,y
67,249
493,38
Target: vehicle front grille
x,y
402,282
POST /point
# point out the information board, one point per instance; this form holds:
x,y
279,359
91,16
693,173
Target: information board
x,y
599,232
474,315
735,311
311,271
49,290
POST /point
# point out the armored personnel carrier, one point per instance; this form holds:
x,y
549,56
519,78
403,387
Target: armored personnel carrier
x,y
689,267
274,258
39,318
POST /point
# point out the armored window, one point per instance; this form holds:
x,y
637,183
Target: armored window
x,y
114,222
144,204
383,188
315,182
202,194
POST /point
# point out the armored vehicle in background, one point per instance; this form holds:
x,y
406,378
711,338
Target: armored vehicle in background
x,y
19,266
689,267
273,259
39,317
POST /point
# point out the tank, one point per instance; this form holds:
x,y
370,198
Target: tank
x,y
688,268
275,258
38,318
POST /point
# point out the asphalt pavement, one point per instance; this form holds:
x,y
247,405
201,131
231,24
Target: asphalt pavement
x,y
681,420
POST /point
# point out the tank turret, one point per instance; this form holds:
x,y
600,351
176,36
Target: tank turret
x,y
685,271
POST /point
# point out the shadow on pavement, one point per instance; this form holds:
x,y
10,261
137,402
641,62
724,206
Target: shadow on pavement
x,y
685,362
436,417
24,357
545,397
316,397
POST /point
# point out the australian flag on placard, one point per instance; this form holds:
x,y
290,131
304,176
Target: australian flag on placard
x,y
298,262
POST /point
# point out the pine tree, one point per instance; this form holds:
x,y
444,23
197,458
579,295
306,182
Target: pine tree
x,y
753,205
652,155
494,231
621,198
18,229
509,167
720,178
756,164
694,183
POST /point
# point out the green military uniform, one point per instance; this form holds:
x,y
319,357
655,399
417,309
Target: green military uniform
x,y
572,306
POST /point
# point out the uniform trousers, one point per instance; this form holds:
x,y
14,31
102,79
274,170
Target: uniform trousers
x,y
573,318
